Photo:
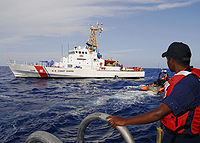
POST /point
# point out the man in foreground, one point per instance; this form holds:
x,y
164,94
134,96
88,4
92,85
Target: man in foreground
x,y
179,111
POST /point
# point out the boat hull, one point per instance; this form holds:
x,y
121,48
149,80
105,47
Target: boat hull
x,y
36,71
153,87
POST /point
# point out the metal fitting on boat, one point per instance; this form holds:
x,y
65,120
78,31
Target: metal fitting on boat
x,y
43,137
102,117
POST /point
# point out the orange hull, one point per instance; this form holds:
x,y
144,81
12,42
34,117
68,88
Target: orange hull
x,y
153,88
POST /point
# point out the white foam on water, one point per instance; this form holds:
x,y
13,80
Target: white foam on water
x,y
4,96
129,97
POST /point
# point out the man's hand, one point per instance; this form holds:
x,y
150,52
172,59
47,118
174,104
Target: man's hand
x,y
145,118
116,121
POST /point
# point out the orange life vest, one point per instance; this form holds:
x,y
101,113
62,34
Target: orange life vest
x,y
181,122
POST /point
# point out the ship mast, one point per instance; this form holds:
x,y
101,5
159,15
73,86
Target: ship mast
x,y
92,42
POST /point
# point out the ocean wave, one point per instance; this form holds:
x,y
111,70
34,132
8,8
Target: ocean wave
x,y
59,105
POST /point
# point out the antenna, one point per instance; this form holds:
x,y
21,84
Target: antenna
x,y
92,42
68,47
68,53
8,58
62,50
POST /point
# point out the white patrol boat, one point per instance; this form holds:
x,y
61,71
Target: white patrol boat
x,y
81,62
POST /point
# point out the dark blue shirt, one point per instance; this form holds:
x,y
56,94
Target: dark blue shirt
x,y
185,95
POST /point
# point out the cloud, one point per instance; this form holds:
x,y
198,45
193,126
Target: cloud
x,y
174,5
21,18
155,5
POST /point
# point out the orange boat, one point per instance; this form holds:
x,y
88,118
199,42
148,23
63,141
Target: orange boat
x,y
157,86
109,61
153,87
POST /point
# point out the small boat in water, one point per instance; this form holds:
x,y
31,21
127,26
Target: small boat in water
x,y
157,86
153,87
81,62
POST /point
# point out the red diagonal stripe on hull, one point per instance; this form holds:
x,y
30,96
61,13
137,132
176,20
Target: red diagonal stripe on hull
x,y
41,71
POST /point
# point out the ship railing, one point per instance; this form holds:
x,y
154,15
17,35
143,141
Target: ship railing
x,y
45,137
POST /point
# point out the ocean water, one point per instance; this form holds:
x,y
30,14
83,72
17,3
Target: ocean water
x,y
59,105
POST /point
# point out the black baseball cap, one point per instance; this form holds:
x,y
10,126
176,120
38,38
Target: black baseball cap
x,y
179,51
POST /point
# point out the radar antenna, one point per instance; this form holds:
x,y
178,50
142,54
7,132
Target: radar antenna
x,y
92,42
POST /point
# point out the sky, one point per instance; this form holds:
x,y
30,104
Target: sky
x,y
136,32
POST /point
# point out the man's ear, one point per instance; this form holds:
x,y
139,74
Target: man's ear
x,y
173,61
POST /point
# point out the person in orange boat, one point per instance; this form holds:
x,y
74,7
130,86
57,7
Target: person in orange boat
x,y
162,80
179,110
158,85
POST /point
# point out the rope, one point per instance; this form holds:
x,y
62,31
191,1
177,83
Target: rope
x,y
160,134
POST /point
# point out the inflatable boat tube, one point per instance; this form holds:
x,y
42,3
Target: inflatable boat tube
x,y
102,117
42,137
152,87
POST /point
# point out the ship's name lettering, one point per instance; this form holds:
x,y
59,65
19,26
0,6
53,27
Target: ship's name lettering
x,y
61,70
69,71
